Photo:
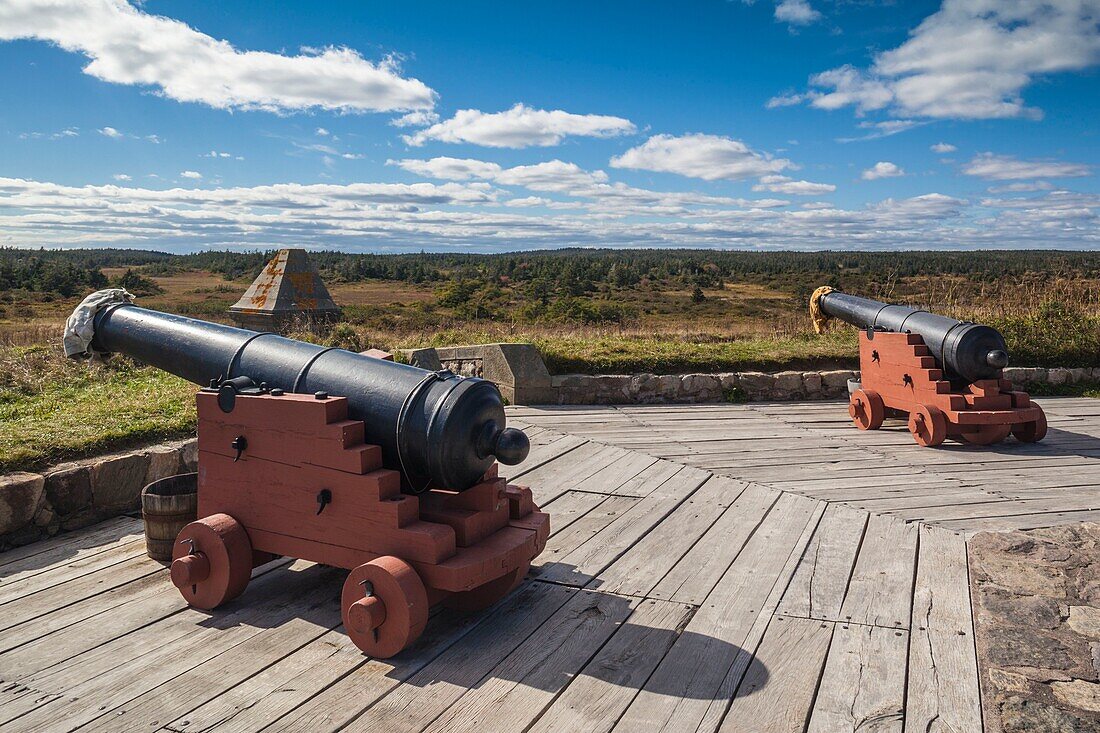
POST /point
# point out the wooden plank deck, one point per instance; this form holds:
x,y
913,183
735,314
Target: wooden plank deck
x,y
698,577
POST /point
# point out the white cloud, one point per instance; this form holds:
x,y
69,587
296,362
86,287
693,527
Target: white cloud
x,y
217,154
121,177
971,59
67,132
110,132
449,169
128,46
321,131
351,156
885,128
553,175
1006,168
790,187
519,127
942,148
796,12
709,157
785,100
882,169
420,118
473,216
1023,186
190,174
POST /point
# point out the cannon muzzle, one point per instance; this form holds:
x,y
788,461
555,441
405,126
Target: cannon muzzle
x,y
436,428
965,350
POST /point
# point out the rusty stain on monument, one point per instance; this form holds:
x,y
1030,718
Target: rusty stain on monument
x,y
289,290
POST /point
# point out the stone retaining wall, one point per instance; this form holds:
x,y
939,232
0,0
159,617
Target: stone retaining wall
x,y
618,389
34,506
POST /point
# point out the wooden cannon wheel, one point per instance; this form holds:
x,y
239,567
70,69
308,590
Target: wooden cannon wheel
x,y
212,561
866,409
489,593
987,434
1032,431
384,606
928,425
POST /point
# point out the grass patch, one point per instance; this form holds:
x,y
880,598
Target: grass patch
x,y
1089,388
52,409
664,355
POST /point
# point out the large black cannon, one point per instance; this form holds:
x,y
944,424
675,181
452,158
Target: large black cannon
x,y
967,350
946,374
434,427
337,458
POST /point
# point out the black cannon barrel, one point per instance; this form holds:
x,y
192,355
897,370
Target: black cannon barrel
x,y
967,350
433,427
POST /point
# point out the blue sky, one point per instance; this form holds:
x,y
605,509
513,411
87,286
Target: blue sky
x,y
801,124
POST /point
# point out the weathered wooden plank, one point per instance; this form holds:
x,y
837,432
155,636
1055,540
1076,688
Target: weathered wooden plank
x,y
76,568
515,692
626,469
561,544
777,692
820,583
569,507
1020,521
393,693
700,569
683,693
71,630
863,685
78,589
584,561
59,550
641,567
205,681
542,454
600,692
276,690
880,591
300,595
943,669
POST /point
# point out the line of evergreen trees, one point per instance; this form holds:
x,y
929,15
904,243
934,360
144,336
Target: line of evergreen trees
x,y
558,273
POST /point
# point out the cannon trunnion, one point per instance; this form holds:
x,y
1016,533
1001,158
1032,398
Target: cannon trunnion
x,y
944,375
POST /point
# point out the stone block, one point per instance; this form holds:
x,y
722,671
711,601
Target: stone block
x,y
189,456
789,384
1057,376
835,383
46,519
757,385
812,384
423,358
1079,375
69,488
20,494
668,386
117,481
1085,620
644,385
700,385
1079,694
164,461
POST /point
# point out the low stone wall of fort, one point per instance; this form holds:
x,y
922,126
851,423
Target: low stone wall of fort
x,y
69,496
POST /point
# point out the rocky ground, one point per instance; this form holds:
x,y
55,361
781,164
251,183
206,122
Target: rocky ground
x,y
1036,597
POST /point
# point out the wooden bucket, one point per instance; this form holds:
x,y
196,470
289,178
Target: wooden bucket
x,y
167,506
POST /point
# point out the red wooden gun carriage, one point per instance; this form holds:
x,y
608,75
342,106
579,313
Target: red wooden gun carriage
x,y
945,375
